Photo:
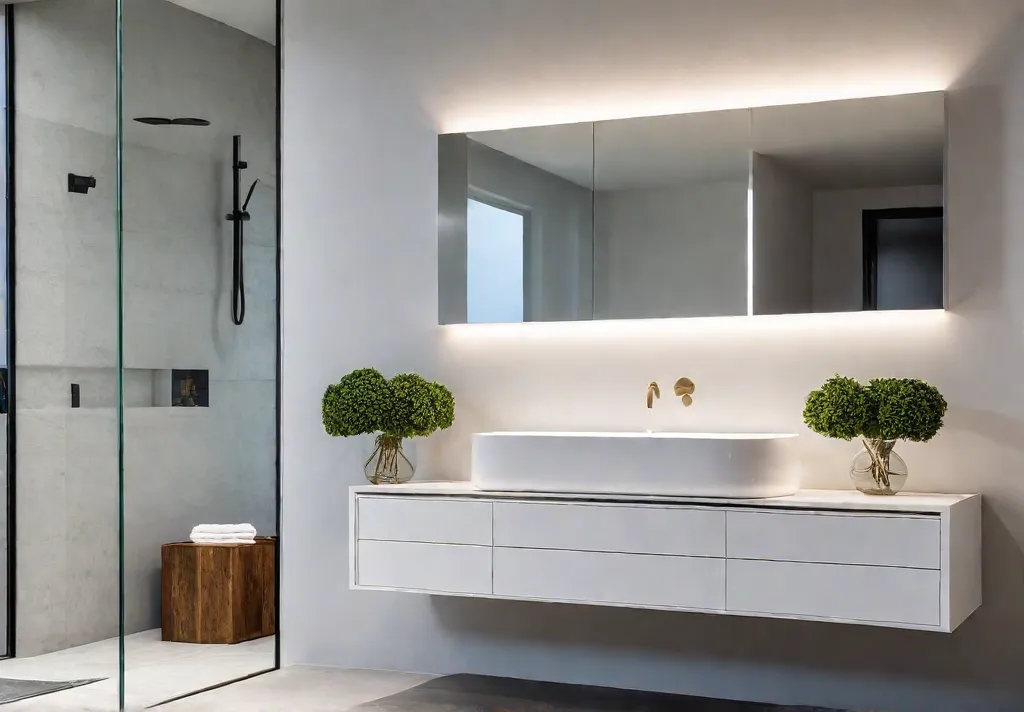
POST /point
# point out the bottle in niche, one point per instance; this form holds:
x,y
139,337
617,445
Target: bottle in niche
x,y
186,393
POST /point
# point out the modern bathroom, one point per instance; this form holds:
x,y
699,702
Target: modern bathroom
x,y
513,355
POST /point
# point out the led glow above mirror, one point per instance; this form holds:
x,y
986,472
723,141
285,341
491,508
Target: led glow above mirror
x,y
826,207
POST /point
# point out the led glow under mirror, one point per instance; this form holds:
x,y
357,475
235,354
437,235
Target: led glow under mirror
x,y
826,207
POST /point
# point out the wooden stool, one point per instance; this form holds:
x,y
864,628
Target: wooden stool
x,y
218,593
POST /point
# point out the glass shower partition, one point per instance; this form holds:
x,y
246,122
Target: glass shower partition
x,y
199,345
61,122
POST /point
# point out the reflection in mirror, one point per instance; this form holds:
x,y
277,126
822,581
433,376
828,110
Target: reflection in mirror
x,y
515,225
848,205
671,226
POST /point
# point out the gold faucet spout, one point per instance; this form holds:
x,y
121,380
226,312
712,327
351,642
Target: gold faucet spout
x,y
653,391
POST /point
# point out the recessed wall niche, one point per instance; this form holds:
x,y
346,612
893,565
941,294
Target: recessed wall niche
x,y
181,388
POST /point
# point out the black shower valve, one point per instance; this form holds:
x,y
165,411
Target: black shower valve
x,y
80,184
238,216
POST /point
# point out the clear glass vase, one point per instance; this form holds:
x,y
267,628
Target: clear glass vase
x,y
391,463
877,469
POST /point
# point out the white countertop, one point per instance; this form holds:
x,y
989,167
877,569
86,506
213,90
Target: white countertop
x,y
805,499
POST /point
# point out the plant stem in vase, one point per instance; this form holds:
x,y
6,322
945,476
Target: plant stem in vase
x,y
388,464
877,469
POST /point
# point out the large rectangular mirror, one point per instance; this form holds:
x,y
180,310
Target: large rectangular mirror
x,y
825,207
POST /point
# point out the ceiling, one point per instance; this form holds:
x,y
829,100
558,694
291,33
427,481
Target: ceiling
x,y
254,17
859,143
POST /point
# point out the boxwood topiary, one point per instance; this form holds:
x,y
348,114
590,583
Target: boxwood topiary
x,y
357,404
885,409
406,406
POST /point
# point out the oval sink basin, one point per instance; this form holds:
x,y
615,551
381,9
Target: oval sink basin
x,y
733,465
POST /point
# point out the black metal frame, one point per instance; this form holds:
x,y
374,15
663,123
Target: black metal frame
x,y
870,231
12,432
277,455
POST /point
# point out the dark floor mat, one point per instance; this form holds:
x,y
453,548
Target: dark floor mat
x,y
12,690
473,693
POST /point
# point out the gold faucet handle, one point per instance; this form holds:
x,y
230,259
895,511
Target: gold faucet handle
x,y
653,391
684,389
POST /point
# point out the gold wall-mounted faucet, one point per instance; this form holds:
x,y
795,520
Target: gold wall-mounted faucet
x,y
653,391
683,388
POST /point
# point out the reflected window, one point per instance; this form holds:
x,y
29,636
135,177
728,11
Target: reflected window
x,y
494,264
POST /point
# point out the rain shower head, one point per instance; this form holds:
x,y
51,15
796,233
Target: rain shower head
x,y
161,121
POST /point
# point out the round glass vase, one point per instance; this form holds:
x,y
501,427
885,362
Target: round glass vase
x,y
392,462
877,469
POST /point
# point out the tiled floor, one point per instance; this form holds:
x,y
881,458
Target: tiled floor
x,y
307,689
300,689
304,689
154,671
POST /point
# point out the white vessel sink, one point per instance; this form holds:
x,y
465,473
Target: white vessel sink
x,y
735,465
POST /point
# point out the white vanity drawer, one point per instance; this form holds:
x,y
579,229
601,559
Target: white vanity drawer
x,y
878,594
880,540
610,528
440,568
624,579
437,521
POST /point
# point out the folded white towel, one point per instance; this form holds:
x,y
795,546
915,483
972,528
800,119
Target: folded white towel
x,y
223,541
245,529
217,537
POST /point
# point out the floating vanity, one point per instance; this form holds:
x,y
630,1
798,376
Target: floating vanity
x,y
909,561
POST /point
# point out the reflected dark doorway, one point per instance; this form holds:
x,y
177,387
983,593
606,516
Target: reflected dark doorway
x,y
903,259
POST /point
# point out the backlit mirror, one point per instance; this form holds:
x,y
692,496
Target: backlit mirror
x,y
825,207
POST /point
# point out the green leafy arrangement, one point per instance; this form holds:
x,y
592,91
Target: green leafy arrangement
x,y
885,409
406,406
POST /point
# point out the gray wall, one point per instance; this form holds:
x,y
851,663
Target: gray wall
x,y
182,466
399,75
783,238
672,251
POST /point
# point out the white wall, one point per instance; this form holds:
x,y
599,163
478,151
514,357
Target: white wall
x,y
671,251
399,74
783,237
839,243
